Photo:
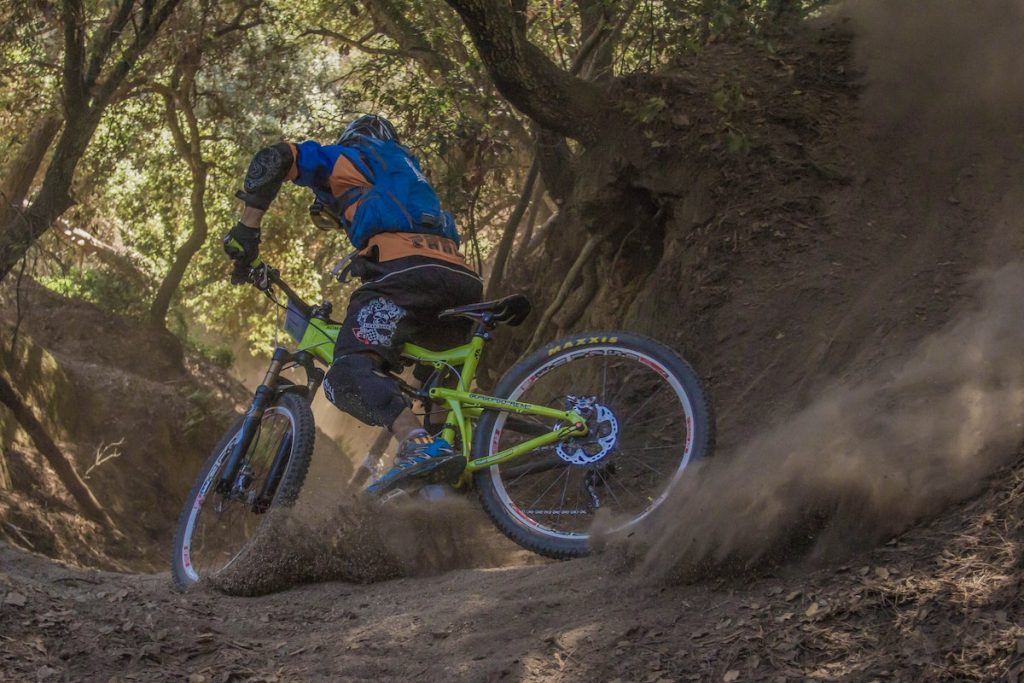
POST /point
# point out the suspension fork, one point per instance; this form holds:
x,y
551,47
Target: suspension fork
x,y
253,417
266,497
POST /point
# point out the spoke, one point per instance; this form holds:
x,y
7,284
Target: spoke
x,y
608,486
544,492
641,462
643,405
579,492
513,482
627,382
565,487
536,483
220,536
650,448
532,418
611,478
656,416
532,468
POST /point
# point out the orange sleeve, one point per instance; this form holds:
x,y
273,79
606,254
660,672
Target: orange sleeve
x,y
345,176
293,172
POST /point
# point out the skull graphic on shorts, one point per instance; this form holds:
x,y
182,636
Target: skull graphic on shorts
x,y
377,322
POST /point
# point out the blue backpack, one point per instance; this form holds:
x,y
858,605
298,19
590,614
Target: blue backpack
x,y
401,199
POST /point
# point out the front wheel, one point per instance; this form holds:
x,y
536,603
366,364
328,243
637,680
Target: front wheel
x,y
648,416
216,528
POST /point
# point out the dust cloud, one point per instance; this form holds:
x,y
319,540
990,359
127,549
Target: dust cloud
x,y
358,540
947,73
863,462
866,460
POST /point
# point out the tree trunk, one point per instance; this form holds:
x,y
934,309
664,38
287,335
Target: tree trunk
x,y
87,90
531,220
126,263
595,61
19,174
556,164
196,240
188,142
58,461
390,19
508,236
20,231
553,98
5,474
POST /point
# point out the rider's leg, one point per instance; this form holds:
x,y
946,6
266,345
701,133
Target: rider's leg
x,y
370,464
388,310
406,425
357,385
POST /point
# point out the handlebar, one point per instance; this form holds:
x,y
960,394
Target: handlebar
x,y
263,277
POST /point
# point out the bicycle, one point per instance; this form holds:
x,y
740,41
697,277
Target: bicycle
x,y
557,440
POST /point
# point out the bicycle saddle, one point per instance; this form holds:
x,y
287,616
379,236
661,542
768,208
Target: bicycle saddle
x,y
511,310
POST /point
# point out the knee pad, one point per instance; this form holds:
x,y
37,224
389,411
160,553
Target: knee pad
x,y
355,385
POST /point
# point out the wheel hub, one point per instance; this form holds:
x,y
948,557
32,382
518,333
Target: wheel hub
x,y
600,439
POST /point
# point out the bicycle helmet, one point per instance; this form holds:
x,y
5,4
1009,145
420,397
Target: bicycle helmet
x,y
369,125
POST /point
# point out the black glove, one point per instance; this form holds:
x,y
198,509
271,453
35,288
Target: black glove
x,y
240,273
242,243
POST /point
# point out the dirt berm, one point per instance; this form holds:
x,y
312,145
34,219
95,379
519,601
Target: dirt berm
x,y
135,413
841,256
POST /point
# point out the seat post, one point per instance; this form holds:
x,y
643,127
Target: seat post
x,y
483,326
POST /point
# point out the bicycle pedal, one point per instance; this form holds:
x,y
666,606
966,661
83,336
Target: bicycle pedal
x,y
392,496
436,492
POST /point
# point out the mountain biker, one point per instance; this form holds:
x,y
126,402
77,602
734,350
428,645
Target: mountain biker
x,y
407,258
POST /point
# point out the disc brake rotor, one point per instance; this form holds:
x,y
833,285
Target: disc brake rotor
x,y
599,441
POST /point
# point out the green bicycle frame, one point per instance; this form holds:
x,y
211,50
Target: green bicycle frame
x,y
464,406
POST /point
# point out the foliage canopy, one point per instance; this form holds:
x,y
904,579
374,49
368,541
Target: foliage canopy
x,y
222,79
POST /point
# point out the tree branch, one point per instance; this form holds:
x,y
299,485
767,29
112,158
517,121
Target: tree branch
x,y
588,47
358,44
391,20
173,124
528,79
104,41
74,55
563,291
508,235
607,44
148,28
60,463
237,24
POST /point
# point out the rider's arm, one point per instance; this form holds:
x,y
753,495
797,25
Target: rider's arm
x,y
307,164
269,168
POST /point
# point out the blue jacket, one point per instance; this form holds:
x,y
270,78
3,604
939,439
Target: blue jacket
x,y
373,187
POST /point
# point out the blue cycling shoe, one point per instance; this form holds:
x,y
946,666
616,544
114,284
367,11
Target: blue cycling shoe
x,y
424,458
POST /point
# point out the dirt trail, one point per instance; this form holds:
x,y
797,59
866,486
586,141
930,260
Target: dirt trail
x,y
875,354
942,603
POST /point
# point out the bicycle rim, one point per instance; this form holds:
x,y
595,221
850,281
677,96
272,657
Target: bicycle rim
x,y
643,440
219,528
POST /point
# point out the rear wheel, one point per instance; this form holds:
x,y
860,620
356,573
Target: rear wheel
x,y
215,528
649,419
